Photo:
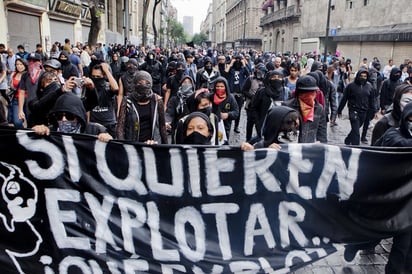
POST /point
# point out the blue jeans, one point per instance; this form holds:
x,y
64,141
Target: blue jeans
x,y
13,115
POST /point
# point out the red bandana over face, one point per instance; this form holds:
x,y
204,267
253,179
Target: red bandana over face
x,y
220,95
307,105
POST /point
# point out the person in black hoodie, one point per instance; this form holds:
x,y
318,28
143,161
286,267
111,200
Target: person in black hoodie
x,y
359,96
224,103
273,93
388,89
206,75
68,115
403,95
154,67
400,257
281,126
68,69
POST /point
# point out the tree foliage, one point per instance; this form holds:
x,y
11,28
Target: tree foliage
x,y
177,35
199,38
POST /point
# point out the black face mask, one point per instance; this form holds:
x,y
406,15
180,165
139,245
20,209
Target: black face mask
x,y
99,83
275,84
208,68
64,62
179,73
221,66
131,70
237,65
206,110
362,81
196,138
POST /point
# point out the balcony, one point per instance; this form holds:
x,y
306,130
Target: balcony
x,y
289,13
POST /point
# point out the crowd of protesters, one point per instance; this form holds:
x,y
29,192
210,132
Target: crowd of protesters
x,y
195,96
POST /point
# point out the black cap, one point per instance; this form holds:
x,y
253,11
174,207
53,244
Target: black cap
x,y
306,83
34,56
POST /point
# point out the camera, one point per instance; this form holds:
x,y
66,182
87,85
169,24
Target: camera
x,y
79,81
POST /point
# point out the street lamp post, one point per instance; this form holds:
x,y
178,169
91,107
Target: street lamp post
x,y
244,24
327,31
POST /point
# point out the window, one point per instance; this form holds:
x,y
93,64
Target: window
x,y
349,4
365,2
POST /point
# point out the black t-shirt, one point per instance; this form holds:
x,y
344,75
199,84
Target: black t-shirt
x,y
104,112
145,124
173,84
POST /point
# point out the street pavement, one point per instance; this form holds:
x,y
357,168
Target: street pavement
x,y
365,262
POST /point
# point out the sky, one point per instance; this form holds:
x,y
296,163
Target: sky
x,y
195,8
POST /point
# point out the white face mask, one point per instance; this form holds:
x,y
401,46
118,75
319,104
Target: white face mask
x,y
288,137
405,99
410,128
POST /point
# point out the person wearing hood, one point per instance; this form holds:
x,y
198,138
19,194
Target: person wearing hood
x,y
400,256
273,93
224,103
177,106
281,126
329,94
312,127
196,129
402,96
359,97
238,73
126,81
141,115
252,84
206,75
388,89
68,115
154,67
173,83
68,69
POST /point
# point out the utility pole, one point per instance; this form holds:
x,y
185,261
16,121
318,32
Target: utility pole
x,y
244,24
327,31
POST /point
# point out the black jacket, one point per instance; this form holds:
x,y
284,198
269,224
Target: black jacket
x,y
399,137
359,97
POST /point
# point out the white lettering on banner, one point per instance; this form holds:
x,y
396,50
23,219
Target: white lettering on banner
x,y
58,217
217,269
133,265
189,215
101,213
72,159
156,238
130,221
221,210
260,168
78,262
296,166
214,166
40,145
268,269
245,267
289,223
133,180
346,177
194,172
176,188
168,268
257,214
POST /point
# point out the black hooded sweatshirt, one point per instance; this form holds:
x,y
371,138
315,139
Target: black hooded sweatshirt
x,y
358,95
399,137
388,88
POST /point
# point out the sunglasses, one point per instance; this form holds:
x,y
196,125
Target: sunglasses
x,y
69,116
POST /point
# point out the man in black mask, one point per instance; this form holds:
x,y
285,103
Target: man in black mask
x,y
106,86
154,68
222,66
68,69
360,97
388,89
273,93
206,75
173,83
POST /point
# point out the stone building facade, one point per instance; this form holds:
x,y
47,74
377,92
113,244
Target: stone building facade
x,y
29,22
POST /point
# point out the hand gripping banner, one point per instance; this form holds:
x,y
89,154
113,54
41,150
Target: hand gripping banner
x,y
72,204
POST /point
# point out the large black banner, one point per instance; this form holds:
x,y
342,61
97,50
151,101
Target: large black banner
x,y
72,204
